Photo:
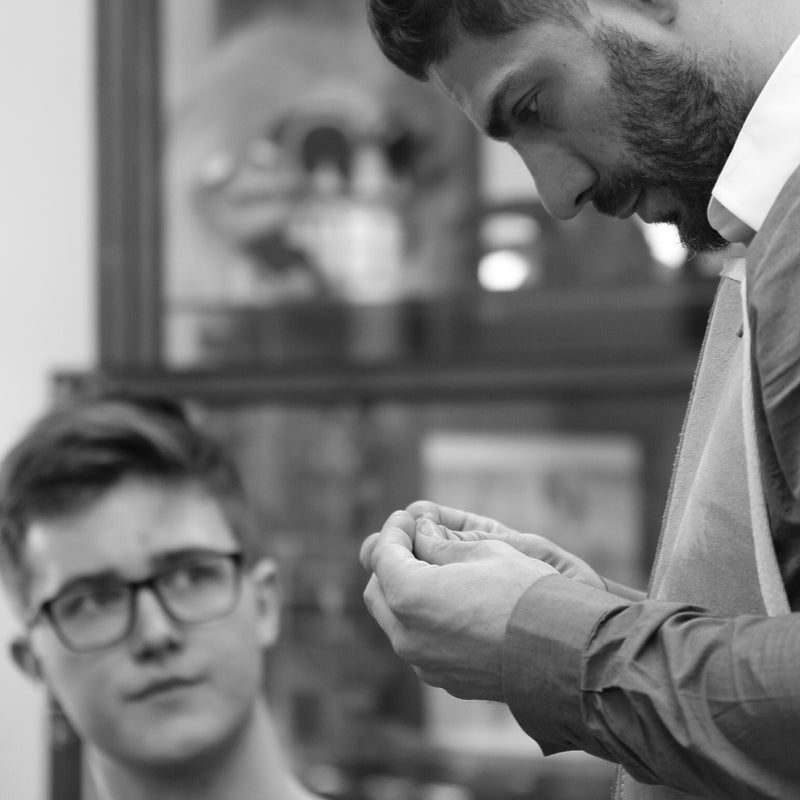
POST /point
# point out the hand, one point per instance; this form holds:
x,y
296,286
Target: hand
x,y
445,605
468,527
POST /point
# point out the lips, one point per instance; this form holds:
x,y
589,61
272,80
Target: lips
x,y
628,209
654,207
644,209
161,686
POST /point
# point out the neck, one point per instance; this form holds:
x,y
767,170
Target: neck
x,y
253,767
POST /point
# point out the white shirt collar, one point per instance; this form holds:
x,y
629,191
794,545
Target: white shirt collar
x,y
766,153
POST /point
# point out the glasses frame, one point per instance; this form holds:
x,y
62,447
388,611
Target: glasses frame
x,y
45,609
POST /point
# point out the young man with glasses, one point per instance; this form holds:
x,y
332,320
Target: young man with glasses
x,y
128,551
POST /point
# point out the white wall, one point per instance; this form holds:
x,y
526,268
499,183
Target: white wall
x,y
46,273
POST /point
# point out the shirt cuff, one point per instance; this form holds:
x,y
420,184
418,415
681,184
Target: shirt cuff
x,y
543,650
625,592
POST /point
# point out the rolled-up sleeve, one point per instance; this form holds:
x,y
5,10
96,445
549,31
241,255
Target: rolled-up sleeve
x,y
545,643
705,704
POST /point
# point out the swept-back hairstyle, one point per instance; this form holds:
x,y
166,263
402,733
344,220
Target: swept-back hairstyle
x,y
79,450
416,34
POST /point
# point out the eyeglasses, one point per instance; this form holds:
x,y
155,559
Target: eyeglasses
x,y
98,613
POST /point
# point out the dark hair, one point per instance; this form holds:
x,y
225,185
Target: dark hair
x,y
84,447
414,34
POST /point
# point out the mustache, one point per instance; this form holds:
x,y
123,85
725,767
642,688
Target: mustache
x,y
611,196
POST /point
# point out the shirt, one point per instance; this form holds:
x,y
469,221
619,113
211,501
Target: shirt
x,y
622,680
679,696
765,154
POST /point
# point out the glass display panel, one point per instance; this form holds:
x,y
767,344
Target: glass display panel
x,y
317,201
306,180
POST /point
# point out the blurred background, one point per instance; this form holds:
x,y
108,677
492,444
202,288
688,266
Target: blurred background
x,y
241,203
47,303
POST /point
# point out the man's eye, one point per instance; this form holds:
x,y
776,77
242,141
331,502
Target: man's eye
x,y
197,573
528,110
90,601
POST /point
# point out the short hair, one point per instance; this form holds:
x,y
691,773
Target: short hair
x,y
416,34
86,446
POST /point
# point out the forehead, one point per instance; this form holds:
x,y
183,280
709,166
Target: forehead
x,y
123,531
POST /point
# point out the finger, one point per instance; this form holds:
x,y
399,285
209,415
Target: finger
x,y
537,547
529,544
427,527
439,549
424,508
399,529
365,553
394,545
376,604
453,518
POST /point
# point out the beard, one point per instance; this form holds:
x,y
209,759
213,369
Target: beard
x,y
680,122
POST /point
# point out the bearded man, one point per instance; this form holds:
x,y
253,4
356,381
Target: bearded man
x,y
685,113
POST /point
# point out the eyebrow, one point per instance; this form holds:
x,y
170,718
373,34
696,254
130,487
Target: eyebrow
x,y
87,579
497,125
159,561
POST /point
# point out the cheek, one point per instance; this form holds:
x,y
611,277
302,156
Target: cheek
x,y
235,650
230,653
83,687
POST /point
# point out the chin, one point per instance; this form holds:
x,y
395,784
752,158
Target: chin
x,y
186,756
696,234
703,243
177,744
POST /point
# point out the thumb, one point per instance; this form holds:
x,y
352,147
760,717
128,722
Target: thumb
x,y
435,544
395,541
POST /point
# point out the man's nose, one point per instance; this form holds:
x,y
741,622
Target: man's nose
x,y
564,181
154,631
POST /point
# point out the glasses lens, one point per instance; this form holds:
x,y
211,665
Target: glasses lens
x,y
92,616
202,588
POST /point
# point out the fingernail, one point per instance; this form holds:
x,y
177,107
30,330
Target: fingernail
x,y
427,527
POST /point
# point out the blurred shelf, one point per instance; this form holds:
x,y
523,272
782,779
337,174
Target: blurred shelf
x,y
631,339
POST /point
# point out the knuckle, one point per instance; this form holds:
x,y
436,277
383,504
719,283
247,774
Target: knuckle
x,y
402,604
369,596
430,677
420,507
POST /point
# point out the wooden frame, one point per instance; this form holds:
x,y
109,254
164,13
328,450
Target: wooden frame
x,y
129,195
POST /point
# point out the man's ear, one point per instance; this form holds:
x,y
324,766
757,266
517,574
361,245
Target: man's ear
x,y
24,657
267,595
